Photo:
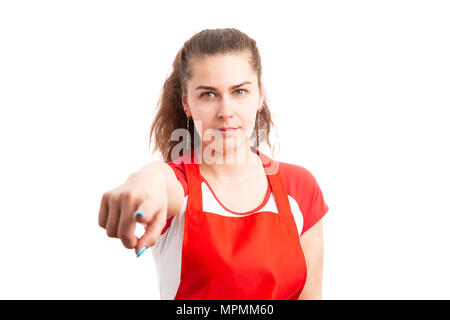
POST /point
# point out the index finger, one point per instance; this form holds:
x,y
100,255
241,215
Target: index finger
x,y
127,223
103,212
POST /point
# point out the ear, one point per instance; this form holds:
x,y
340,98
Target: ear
x,y
261,98
185,104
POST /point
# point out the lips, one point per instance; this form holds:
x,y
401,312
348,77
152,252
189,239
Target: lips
x,y
228,131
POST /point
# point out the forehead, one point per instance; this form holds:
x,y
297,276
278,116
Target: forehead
x,y
221,70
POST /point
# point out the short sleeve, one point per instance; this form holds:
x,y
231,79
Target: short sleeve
x,y
315,207
180,173
304,188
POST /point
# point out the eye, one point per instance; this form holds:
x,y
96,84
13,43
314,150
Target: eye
x,y
240,90
204,93
208,92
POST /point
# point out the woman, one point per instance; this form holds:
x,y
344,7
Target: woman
x,y
224,221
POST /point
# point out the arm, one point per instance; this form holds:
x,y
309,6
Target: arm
x,y
312,245
153,190
175,192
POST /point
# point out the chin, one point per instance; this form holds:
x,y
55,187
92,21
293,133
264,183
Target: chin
x,y
228,146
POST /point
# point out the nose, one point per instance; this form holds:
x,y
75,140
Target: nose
x,y
225,109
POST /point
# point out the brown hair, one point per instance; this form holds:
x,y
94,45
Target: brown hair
x,y
170,114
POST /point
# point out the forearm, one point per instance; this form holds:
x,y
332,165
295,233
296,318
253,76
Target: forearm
x,y
171,185
312,245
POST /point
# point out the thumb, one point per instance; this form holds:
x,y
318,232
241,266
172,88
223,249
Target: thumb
x,y
143,215
146,211
153,228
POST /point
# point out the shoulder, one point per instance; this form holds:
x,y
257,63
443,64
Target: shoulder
x,y
299,182
304,188
178,168
295,176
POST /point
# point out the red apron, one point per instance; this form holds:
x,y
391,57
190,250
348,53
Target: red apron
x,y
253,257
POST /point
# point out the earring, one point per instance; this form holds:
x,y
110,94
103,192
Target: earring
x,y
257,128
188,140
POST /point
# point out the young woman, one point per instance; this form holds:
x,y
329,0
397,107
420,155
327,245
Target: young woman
x,y
224,220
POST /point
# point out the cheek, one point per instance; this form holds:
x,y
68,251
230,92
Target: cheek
x,y
205,123
248,124
204,116
250,120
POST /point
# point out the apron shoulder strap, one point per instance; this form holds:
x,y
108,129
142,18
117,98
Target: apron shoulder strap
x,y
272,169
194,181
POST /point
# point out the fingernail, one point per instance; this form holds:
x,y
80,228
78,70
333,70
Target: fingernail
x,y
141,252
139,213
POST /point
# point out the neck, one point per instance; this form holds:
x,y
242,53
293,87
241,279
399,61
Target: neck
x,y
232,166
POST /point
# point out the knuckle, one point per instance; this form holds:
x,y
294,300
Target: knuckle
x,y
106,196
114,199
127,195
152,239
127,243
153,202
111,233
148,197
151,243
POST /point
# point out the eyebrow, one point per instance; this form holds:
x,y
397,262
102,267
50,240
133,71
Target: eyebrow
x,y
232,87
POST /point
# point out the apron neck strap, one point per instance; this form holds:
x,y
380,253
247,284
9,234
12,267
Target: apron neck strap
x,y
194,181
271,168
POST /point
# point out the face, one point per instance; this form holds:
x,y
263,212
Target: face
x,y
223,93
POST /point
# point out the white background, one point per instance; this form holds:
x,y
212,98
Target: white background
x,y
360,95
